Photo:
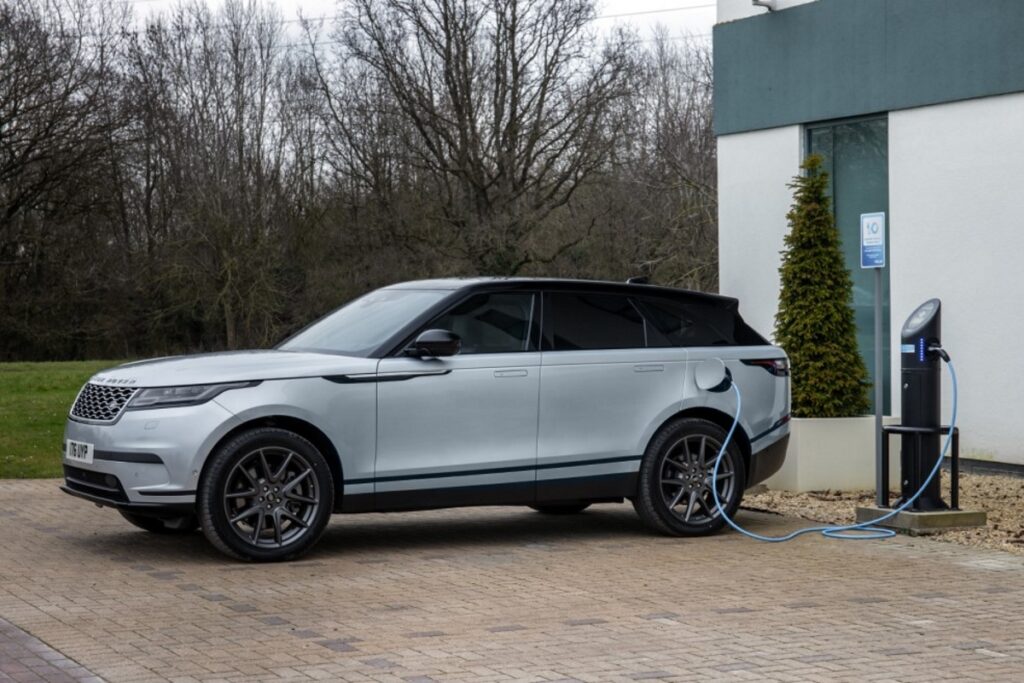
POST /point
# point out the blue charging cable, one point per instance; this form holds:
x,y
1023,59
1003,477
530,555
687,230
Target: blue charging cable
x,y
853,532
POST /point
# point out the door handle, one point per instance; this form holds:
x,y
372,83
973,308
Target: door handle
x,y
518,372
649,367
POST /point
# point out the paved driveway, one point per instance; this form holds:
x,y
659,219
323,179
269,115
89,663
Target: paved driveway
x,y
495,594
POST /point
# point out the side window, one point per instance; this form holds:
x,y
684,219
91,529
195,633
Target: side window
x,y
491,323
691,323
577,321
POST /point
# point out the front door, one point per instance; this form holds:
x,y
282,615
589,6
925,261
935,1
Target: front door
x,y
462,430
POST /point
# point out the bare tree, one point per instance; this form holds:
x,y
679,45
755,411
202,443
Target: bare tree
x,y
212,101
207,182
662,180
507,107
57,80
55,76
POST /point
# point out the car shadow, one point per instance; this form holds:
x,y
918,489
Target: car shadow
x,y
369,538
377,536
494,529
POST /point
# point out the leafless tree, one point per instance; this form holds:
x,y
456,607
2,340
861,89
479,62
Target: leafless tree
x,y
205,180
506,106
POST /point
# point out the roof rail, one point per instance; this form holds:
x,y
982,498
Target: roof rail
x,y
638,280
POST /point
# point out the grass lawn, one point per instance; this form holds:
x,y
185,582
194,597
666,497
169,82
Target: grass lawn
x,y
34,403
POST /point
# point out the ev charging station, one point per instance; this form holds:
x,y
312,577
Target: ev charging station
x,y
921,391
920,507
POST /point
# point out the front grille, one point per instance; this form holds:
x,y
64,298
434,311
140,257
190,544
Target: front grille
x,y
96,484
100,403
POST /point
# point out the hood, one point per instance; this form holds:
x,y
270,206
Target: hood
x,y
232,366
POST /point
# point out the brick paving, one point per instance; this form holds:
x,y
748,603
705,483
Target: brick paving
x,y
24,659
495,594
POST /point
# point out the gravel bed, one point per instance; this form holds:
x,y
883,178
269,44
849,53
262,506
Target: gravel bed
x,y
1001,496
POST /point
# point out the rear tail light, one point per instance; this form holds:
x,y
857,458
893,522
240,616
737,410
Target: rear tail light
x,y
775,366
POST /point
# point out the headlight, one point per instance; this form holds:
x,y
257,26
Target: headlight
x,y
193,394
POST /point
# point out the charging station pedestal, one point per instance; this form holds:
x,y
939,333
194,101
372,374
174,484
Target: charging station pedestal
x,y
921,434
921,393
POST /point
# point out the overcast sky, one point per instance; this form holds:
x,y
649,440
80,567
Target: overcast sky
x,y
679,16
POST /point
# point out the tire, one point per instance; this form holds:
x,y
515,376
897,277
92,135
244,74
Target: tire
x,y
266,496
561,509
185,524
675,454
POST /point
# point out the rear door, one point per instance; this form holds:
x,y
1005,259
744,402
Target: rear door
x,y
608,380
463,430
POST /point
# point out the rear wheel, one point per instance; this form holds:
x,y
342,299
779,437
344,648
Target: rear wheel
x,y
561,509
267,496
183,524
674,489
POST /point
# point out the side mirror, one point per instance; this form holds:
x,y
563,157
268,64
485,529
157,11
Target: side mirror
x,y
712,375
435,344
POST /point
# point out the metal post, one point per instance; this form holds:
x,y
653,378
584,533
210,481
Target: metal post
x,y
883,500
954,476
881,496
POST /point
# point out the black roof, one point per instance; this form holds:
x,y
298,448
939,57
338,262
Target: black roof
x,y
566,284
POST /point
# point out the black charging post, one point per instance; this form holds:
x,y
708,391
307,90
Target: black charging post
x,y
921,392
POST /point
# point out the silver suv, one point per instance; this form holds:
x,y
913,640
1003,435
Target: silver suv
x,y
549,393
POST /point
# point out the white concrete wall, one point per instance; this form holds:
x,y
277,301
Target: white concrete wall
x,y
753,198
956,221
956,198
730,10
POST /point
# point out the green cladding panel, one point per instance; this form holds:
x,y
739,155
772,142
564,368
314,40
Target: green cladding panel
x,y
832,59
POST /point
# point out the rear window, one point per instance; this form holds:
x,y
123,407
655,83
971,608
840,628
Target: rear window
x,y
578,322
695,323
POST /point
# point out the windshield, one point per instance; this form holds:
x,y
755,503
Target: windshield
x,y
362,325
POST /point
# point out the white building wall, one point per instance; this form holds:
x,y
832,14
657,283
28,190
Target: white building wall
x,y
753,199
956,222
730,10
956,205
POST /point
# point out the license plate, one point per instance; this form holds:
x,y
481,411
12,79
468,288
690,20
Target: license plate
x,y
79,451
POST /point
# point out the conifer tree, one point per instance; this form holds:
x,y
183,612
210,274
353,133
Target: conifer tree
x,y
815,323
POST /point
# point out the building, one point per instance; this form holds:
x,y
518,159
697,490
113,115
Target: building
x,y
918,108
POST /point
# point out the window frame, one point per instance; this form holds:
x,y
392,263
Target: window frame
x,y
547,321
533,333
648,301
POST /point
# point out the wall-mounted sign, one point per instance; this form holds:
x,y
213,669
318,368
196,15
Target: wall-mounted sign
x,y
872,240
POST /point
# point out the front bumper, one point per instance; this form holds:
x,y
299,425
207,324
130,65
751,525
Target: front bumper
x,y
147,459
106,490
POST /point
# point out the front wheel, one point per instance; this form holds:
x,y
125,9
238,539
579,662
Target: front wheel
x,y
267,495
674,489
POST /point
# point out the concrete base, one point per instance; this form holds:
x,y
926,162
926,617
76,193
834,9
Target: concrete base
x,y
836,453
916,523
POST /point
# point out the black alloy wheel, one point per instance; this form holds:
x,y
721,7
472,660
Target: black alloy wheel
x,y
267,495
674,491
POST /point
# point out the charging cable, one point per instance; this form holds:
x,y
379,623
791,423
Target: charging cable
x,y
855,532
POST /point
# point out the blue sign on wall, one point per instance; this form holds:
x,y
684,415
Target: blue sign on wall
x,y
872,240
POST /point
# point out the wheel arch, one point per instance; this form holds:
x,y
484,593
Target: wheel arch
x,y
306,430
723,420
